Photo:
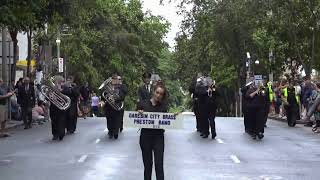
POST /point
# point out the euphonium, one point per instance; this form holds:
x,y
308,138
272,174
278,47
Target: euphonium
x,y
60,100
110,95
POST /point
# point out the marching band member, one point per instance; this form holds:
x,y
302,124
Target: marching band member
x,y
72,91
58,116
144,91
124,89
152,140
212,108
202,94
114,115
256,105
195,103
247,122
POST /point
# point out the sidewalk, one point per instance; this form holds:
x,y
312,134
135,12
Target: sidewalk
x,y
14,124
283,119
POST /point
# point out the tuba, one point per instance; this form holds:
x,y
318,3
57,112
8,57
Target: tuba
x,y
60,100
110,95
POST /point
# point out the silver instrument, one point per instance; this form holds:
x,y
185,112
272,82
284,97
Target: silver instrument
x,y
110,95
52,94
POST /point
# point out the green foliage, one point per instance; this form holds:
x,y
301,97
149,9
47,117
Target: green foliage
x,y
217,35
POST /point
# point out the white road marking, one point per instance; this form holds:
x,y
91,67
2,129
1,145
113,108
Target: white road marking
x,y
97,141
220,141
235,159
82,158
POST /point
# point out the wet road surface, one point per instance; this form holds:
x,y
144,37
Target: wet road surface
x,y
285,153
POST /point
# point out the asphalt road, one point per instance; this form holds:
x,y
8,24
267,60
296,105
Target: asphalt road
x,y
285,153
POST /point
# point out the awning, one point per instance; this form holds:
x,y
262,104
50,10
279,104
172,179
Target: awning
x,y
24,63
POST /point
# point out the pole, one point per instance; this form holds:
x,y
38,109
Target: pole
x,y
271,62
58,45
9,84
4,55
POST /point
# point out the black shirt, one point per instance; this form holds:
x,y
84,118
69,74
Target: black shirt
x,y
147,106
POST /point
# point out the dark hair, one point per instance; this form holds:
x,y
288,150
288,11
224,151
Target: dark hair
x,y
146,75
40,103
318,84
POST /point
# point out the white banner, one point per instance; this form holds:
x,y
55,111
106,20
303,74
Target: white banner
x,y
61,65
152,120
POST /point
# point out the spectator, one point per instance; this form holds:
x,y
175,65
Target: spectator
x,y
95,105
38,112
84,99
4,96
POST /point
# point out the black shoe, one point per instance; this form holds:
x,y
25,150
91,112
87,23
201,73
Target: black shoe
x,y
110,135
25,127
201,134
254,136
308,124
260,136
205,136
121,129
214,135
61,138
115,136
54,138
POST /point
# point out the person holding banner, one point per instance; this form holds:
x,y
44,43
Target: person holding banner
x,y
152,140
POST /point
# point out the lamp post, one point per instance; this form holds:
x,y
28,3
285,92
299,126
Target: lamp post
x,y
248,64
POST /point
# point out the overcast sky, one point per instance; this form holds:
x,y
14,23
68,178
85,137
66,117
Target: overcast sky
x,y
168,11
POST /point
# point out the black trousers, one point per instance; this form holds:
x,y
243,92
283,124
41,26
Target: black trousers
x,y
121,122
152,144
72,117
26,116
204,121
197,114
246,120
292,112
114,121
256,119
212,123
58,123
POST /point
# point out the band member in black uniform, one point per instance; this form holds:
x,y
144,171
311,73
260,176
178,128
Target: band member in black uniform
x,y
144,91
152,140
72,91
202,102
125,92
27,102
291,105
57,116
113,115
247,123
195,103
212,108
256,104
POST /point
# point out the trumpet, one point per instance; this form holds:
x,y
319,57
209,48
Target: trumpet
x,y
262,90
60,100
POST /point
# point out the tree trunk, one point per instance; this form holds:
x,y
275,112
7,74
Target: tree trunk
x,y
13,34
29,34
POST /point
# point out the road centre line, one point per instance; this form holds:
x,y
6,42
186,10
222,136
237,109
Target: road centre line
x,y
235,159
220,141
82,158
